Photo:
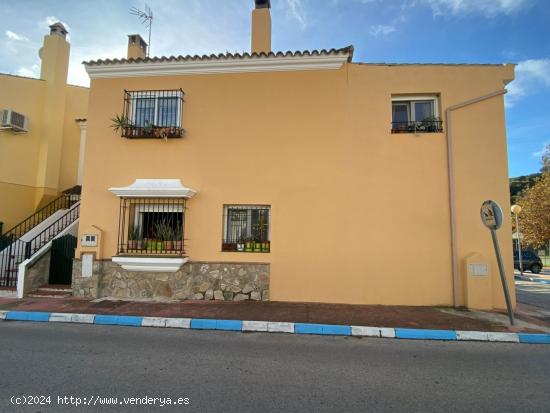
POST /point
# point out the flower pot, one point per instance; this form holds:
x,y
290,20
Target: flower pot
x,y
240,247
265,246
248,246
132,244
257,247
168,245
178,245
154,246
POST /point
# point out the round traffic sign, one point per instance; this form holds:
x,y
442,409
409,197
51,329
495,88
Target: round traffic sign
x,y
491,214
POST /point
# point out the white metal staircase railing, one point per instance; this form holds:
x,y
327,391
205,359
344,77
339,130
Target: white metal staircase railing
x,y
29,243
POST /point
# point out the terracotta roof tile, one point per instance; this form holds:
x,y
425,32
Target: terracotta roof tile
x,y
225,56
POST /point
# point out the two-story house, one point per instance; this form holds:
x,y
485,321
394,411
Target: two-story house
x,y
292,176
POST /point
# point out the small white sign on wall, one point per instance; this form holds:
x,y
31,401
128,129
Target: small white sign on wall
x,y
478,270
87,265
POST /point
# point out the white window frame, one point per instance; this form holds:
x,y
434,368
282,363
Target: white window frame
x,y
411,100
156,95
249,208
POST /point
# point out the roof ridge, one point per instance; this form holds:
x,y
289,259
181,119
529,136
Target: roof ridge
x,y
228,55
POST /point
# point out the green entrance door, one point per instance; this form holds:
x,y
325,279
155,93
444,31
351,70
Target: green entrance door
x,y
61,261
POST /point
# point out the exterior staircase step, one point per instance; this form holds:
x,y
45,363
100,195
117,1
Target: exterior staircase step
x,y
52,291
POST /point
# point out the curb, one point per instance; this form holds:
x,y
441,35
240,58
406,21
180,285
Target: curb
x,y
276,327
531,279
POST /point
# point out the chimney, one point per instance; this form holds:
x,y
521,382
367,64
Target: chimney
x,y
137,48
58,29
261,27
53,70
55,55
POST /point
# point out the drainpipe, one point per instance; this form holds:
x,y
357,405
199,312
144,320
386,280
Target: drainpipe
x,y
450,173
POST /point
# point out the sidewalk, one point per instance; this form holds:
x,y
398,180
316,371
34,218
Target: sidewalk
x,y
340,314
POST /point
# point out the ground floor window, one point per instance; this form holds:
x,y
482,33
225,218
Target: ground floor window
x,y
246,228
151,226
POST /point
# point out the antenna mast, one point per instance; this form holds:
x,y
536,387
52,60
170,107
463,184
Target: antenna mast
x,y
146,18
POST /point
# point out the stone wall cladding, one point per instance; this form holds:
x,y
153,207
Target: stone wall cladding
x,y
38,273
194,281
86,286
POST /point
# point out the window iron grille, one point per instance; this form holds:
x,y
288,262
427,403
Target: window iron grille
x,y
246,228
153,114
151,226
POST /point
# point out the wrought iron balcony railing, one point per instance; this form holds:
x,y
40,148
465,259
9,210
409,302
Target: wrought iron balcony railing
x,y
152,114
425,126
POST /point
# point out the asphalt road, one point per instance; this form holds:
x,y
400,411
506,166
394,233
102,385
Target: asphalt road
x,y
534,293
235,372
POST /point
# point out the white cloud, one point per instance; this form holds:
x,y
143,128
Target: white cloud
x,y
489,8
16,37
531,76
296,10
32,71
14,41
381,30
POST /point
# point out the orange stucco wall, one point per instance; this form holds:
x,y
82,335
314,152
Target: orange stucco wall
x,y
359,215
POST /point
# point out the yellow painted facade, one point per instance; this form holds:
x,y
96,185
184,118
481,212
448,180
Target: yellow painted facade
x,y
37,165
358,214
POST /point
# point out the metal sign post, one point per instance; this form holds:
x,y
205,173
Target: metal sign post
x,y
491,215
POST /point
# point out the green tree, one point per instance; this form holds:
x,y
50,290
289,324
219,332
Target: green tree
x,y
546,160
535,214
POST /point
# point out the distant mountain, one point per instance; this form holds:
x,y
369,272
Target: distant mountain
x,y
520,183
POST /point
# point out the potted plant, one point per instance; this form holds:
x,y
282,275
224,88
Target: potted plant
x,y
248,244
133,237
257,245
265,246
177,238
121,123
148,130
164,233
151,245
431,124
240,244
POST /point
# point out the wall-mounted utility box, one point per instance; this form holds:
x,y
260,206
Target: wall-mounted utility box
x,y
88,240
478,282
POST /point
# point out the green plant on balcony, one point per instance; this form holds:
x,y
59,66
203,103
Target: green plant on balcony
x,y
259,231
177,235
148,129
248,244
133,238
120,123
165,234
431,124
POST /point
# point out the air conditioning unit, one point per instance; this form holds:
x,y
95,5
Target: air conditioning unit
x,y
10,119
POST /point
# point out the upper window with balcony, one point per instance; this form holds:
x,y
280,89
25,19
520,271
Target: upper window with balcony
x,y
415,114
152,114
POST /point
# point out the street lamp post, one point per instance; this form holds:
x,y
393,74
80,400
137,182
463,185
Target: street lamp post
x,y
516,209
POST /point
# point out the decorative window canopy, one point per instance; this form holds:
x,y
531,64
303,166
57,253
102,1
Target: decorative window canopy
x,y
156,188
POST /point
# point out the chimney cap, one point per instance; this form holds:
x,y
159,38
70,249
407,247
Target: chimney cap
x,y
263,4
59,29
136,38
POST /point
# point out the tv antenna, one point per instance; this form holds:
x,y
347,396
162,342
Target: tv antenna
x,y
146,18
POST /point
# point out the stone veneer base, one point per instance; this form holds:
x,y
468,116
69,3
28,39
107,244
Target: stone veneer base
x,y
194,280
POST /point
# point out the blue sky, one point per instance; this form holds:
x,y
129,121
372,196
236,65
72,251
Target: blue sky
x,y
451,31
